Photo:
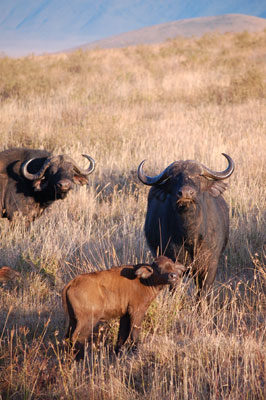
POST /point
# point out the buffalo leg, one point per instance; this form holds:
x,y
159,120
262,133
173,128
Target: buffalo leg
x,y
135,330
210,276
79,337
204,281
123,333
71,328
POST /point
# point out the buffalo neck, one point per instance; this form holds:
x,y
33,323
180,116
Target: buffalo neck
x,y
150,282
189,216
151,287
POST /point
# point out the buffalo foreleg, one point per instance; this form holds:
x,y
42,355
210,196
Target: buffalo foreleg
x,y
205,278
124,331
129,328
136,321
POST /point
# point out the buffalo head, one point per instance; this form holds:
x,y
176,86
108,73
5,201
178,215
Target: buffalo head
x,y
163,271
57,174
185,181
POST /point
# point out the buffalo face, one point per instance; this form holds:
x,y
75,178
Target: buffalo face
x,y
186,181
57,175
166,271
163,271
184,184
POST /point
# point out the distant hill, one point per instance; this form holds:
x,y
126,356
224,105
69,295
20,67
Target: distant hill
x,y
186,28
37,26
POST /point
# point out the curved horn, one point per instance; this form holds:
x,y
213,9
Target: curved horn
x,y
87,171
151,180
220,175
38,174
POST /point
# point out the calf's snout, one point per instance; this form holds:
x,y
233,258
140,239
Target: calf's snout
x,y
173,276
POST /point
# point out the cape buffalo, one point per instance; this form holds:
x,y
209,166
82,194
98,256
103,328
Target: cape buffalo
x,y
187,217
31,180
125,292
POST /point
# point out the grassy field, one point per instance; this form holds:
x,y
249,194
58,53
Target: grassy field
x,y
185,99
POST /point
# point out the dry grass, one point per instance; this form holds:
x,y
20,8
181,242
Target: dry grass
x,y
185,99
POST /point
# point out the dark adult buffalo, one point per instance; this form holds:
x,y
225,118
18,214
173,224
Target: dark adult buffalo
x,y
187,217
125,292
31,180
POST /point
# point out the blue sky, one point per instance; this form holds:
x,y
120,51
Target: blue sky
x,y
51,25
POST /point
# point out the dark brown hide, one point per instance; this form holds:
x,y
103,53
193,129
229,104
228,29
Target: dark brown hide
x,y
187,217
31,180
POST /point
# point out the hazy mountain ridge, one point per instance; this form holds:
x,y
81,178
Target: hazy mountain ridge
x,y
186,28
51,25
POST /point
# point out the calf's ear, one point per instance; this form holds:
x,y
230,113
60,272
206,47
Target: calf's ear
x,y
144,272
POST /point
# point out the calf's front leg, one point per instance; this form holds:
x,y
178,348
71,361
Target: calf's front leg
x,y
136,321
129,328
123,333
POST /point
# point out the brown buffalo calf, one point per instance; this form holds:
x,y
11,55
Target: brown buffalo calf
x,y
7,274
125,292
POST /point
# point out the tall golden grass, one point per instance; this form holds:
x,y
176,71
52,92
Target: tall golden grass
x,y
184,99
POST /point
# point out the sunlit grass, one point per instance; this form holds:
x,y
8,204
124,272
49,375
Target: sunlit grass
x,y
185,99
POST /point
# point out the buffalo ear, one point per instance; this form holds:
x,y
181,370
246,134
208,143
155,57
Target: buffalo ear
x,y
216,188
160,192
163,190
80,180
144,272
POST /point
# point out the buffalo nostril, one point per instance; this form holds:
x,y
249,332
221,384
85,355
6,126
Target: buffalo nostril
x,y
186,193
173,275
63,185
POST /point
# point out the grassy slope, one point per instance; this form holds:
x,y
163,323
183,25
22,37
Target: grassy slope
x,y
185,99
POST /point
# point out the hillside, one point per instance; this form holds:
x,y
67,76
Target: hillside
x,y
37,26
185,28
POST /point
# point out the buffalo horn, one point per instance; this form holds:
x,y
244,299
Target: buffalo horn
x,y
87,171
50,160
41,171
151,180
220,175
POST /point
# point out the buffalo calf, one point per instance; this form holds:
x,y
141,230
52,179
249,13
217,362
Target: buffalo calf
x,y
125,292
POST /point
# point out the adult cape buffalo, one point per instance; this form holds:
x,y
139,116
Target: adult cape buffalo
x,y
187,217
31,180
